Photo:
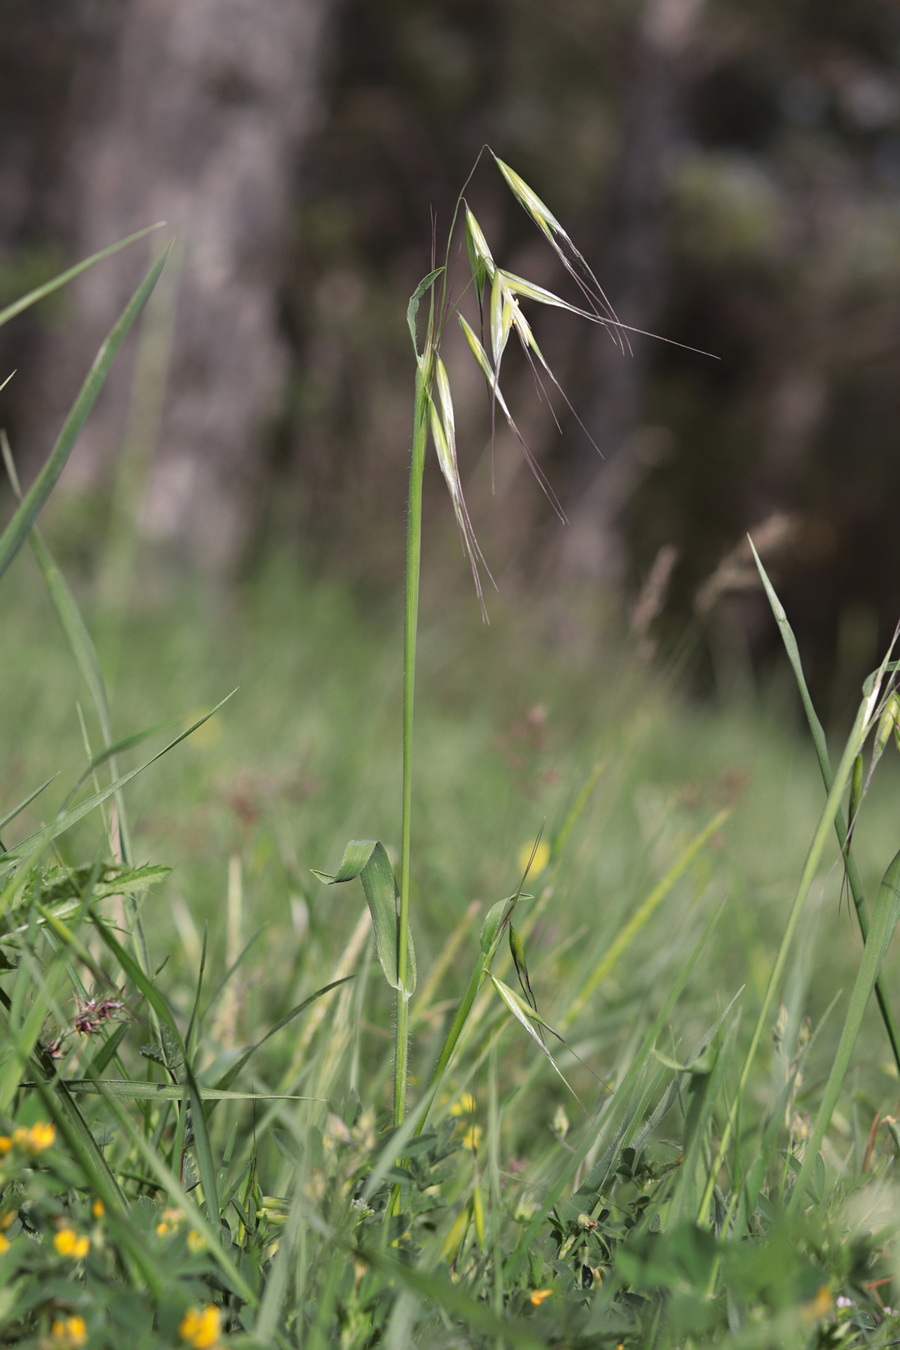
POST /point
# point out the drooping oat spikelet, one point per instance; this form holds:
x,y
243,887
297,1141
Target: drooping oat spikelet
x,y
570,257
443,434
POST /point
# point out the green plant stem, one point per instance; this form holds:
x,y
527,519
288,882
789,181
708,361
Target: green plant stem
x,y
857,738
410,634
841,827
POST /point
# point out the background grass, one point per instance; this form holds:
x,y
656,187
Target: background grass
x,y
509,729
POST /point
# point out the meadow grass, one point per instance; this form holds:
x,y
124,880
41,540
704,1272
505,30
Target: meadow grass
x,y
643,1095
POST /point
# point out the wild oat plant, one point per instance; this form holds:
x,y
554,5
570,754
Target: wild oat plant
x,y
691,1188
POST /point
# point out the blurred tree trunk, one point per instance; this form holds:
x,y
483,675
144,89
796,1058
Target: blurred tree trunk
x,y
635,275
193,113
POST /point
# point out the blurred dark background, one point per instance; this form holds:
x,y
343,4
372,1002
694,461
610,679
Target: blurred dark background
x,y
730,168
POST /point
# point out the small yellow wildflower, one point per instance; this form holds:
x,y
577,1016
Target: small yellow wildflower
x,y
537,1296
4,1244
5,1145
201,1329
472,1138
6,1219
31,1140
70,1332
68,1243
818,1305
163,1229
98,1209
196,1241
465,1106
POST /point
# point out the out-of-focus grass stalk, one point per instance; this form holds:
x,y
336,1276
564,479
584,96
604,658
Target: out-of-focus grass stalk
x,y
410,633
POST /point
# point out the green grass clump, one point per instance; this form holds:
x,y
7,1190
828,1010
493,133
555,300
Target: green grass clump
x,y
637,1088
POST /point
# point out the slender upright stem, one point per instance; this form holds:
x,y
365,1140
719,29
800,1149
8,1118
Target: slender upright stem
x,y
410,630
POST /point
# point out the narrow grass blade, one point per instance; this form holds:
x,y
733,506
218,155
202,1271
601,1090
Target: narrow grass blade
x,y
26,801
840,825
885,917
17,530
208,1227
436,1292
517,951
41,292
140,1091
234,1069
533,1023
147,987
643,913
35,842
624,1094
857,738
85,654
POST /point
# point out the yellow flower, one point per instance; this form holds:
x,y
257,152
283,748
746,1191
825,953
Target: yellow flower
x,y
69,1331
201,1329
5,1145
818,1305
4,1244
98,1209
196,1241
472,1137
35,1139
465,1106
537,1296
68,1243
